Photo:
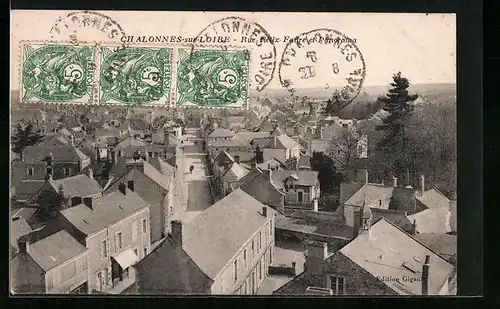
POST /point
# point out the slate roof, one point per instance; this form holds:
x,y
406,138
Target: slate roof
x,y
55,249
376,196
433,198
130,142
444,244
304,178
303,162
27,188
270,163
78,185
227,143
210,244
18,228
384,252
248,136
236,172
162,179
314,227
221,132
285,141
432,220
162,166
38,153
107,210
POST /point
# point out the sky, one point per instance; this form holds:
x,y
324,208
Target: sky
x,y
421,46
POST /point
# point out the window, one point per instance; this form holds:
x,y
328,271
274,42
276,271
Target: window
x,y
270,257
30,171
118,241
144,229
145,252
235,270
260,269
76,200
104,249
270,230
260,240
337,285
245,257
49,282
130,185
253,248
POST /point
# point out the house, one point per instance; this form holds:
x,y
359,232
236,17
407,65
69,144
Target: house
x,y
298,163
203,256
115,230
257,183
128,147
105,138
301,187
231,176
39,161
429,209
56,264
154,183
272,164
381,260
281,146
133,127
235,147
19,227
74,189
219,134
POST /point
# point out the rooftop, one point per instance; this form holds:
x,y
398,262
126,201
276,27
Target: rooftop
x,y
389,252
106,211
78,185
40,152
221,132
212,245
55,249
304,177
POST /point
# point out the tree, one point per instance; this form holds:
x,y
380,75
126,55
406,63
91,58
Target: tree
x,y
50,201
24,137
337,101
329,180
344,148
399,103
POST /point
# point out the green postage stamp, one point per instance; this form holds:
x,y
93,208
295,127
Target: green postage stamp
x,y
57,73
135,75
212,78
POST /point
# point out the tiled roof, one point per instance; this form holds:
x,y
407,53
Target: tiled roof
x,y
433,198
262,142
130,141
211,244
383,252
106,211
315,227
78,185
27,188
102,132
304,178
269,163
433,220
286,142
38,153
376,196
18,228
162,166
444,244
162,179
226,143
248,136
55,249
221,132
236,172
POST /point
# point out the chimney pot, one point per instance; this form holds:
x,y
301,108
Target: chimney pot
x,y
395,181
123,188
264,211
317,252
414,227
88,202
425,276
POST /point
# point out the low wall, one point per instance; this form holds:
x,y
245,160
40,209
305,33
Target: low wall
x,y
314,215
282,270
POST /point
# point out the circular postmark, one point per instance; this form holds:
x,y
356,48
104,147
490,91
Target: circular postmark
x,y
86,26
237,31
323,59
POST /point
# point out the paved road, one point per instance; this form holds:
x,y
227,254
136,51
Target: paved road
x,y
194,192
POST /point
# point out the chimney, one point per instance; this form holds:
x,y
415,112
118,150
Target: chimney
x,y
321,132
394,181
177,232
24,245
315,204
264,211
425,276
123,188
91,172
269,166
237,159
414,227
88,202
316,255
362,176
422,184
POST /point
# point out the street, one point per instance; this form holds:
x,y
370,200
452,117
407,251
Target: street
x,y
193,190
